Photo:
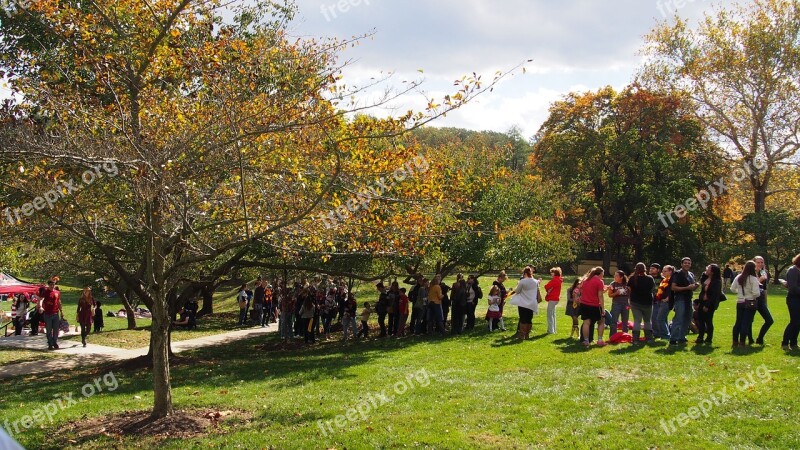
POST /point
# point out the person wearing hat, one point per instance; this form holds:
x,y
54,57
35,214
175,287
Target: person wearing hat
x,y
53,314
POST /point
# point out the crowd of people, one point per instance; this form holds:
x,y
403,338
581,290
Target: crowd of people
x,y
311,310
44,307
649,298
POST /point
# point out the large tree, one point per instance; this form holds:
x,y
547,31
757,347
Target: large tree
x,y
178,139
740,66
623,162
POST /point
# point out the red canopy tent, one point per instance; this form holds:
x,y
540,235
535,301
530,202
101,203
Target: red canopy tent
x,y
11,285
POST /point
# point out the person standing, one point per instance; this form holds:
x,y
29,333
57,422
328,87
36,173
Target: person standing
x,y
552,296
52,313
683,284
792,283
620,301
402,313
474,293
393,307
419,307
710,294
20,306
259,299
349,317
763,281
525,297
307,313
241,298
381,307
746,287
727,276
592,308
435,296
572,306
86,307
458,301
661,303
501,278
641,287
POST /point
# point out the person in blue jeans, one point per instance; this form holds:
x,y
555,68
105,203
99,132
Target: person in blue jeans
x,y
792,284
683,284
661,300
763,279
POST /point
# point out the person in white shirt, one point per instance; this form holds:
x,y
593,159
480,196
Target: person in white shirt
x,y
526,299
747,290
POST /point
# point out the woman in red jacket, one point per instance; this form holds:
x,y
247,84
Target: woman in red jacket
x,y
86,312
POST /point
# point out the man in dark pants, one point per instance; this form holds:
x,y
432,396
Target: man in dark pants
x,y
763,309
458,301
474,294
446,303
381,307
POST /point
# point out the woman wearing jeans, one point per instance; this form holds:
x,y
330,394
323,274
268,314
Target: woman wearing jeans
x,y
641,286
52,313
792,283
747,290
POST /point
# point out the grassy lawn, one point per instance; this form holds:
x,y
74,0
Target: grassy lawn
x,y
116,334
477,390
15,355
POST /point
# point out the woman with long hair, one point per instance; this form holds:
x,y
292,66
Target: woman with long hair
x,y
710,293
592,308
747,290
86,306
573,300
641,287
525,298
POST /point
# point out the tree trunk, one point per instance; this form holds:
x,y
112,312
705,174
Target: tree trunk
x,y
759,206
128,309
607,260
208,301
159,340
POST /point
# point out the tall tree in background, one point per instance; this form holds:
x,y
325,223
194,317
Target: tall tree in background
x,y
740,66
625,160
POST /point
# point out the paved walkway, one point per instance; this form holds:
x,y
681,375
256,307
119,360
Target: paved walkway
x,y
92,354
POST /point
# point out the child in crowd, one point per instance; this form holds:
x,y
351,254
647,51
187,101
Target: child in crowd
x,y
494,306
365,313
620,294
98,317
553,295
349,317
573,300
403,313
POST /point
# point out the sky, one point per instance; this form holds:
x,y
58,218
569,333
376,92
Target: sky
x,y
575,45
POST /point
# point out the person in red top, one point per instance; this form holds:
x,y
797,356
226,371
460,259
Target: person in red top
x,y
86,306
553,289
52,313
403,313
591,307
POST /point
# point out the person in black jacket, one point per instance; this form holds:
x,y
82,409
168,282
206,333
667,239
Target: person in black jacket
x,y
381,307
474,294
458,301
710,294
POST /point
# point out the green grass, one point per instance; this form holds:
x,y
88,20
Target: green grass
x,y
9,355
484,391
